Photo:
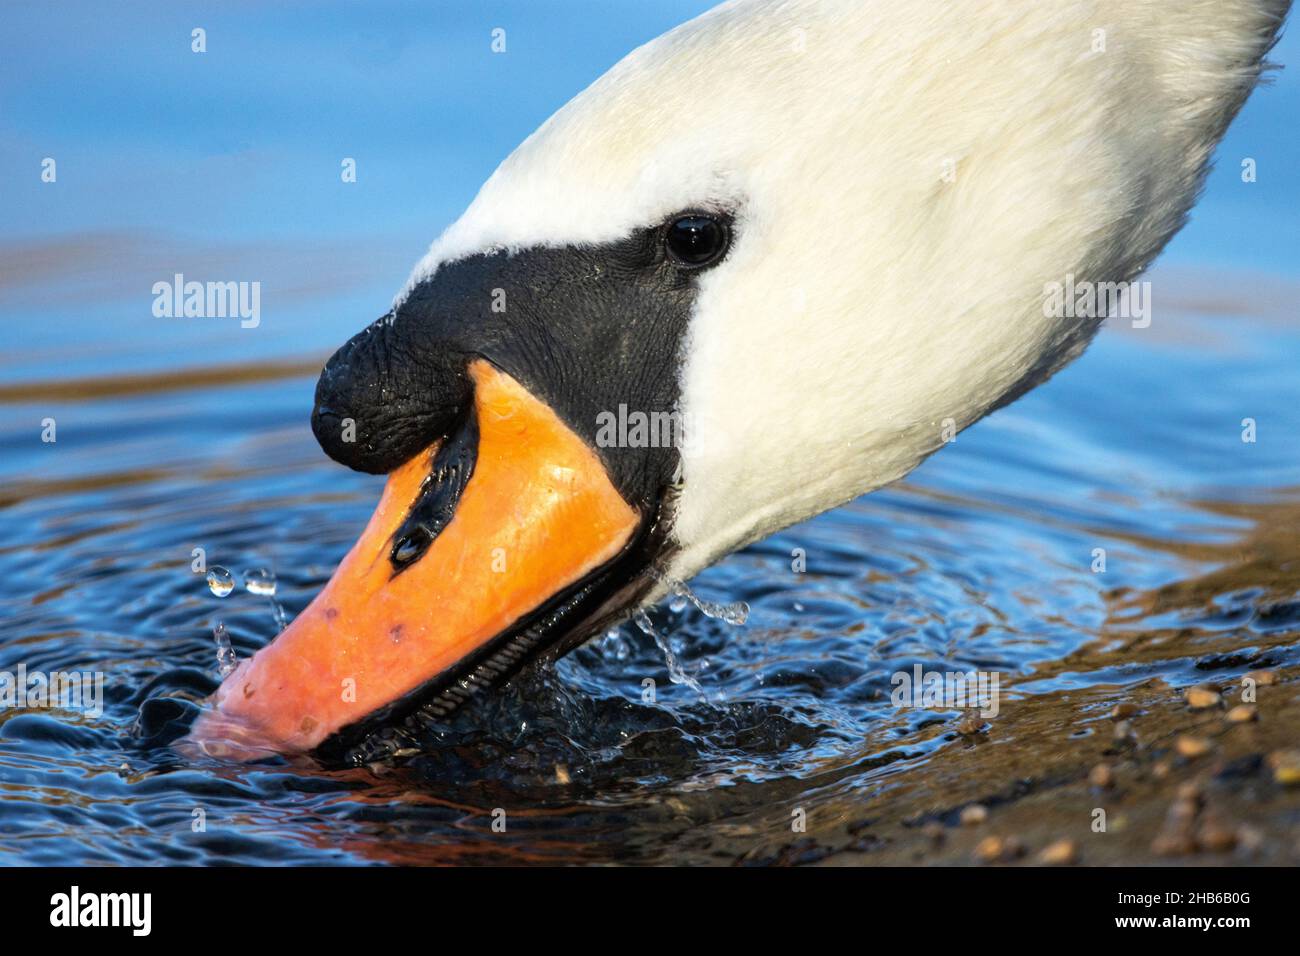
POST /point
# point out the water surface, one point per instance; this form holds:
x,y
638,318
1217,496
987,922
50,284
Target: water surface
x,y
174,435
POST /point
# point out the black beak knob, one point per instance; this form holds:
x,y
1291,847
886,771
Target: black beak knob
x,y
380,400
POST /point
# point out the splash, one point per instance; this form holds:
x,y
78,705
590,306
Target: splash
x,y
258,581
680,597
735,613
676,673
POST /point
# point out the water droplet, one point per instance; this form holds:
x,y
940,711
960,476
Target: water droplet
x,y
260,581
736,613
614,646
220,581
227,660
642,621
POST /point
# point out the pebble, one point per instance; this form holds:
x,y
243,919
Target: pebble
x,y
996,849
1191,792
1201,696
1250,839
1177,834
562,774
1286,767
1123,711
974,815
1173,843
1191,747
1060,853
1263,678
1122,730
1102,776
1242,714
1182,812
970,725
1215,837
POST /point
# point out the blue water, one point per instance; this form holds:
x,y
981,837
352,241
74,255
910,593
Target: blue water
x,y
228,163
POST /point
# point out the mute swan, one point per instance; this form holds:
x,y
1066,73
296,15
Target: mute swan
x,y
818,233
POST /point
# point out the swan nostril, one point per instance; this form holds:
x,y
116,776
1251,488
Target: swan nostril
x,y
411,546
450,469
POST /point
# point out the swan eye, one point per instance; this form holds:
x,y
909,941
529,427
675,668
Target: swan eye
x,y
695,240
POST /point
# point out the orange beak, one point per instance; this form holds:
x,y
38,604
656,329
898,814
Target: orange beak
x,y
538,516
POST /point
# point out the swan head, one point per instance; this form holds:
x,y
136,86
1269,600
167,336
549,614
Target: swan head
x,y
812,238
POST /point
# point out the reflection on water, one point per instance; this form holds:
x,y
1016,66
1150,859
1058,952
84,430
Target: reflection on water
x,y
989,558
